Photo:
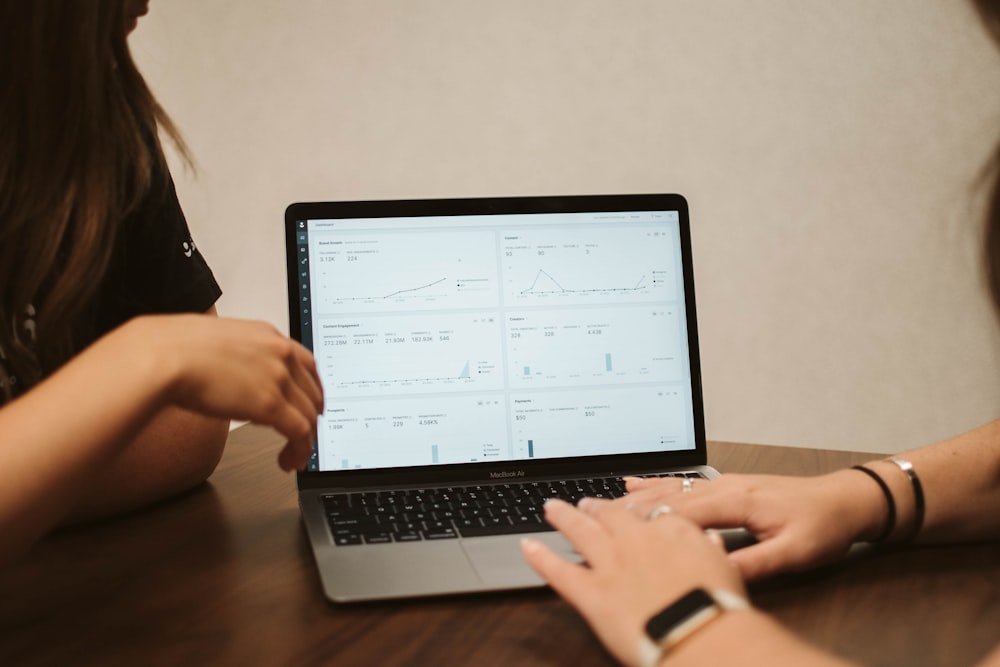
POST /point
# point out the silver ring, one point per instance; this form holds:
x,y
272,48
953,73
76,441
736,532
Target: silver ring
x,y
657,511
687,486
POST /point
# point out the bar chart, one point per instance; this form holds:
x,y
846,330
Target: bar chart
x,y
554,348
587,422
413,431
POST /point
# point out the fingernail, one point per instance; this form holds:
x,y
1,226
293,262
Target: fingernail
x,y
529,545
584,503
553,502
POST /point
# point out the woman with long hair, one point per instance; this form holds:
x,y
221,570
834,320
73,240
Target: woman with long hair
x,y
116,377
658,589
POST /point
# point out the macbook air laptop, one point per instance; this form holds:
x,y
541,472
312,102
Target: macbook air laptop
x,y
479,356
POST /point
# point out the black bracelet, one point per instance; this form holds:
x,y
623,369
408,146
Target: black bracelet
x,y
918,497
890,520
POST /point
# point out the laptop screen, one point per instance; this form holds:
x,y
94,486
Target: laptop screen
x,y
496,333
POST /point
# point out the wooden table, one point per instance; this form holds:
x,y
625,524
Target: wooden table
x,y
224,576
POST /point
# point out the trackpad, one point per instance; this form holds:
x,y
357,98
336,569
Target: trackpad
x,y
498,560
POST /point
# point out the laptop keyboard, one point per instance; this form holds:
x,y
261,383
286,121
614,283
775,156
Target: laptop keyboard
x,y
412,515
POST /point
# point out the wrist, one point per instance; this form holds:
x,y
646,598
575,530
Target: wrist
x,y
139,352
899,500
684,618
748,637
861,504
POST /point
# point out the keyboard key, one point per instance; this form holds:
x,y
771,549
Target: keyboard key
x,y
406,536
500,529
440,533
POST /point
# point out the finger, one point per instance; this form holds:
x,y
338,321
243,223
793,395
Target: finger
x,y
285,418
295,455
287,457
592,506
568,579
709,504
633,484
300,400
587,536
598,507
617,519
306,372
654,491
763,559
641,503
712,510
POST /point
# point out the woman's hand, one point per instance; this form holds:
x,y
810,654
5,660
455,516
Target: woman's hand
x,y
798,522
239,369
635,567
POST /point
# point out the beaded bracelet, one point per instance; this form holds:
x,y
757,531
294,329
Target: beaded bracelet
x,y
918,497
890,520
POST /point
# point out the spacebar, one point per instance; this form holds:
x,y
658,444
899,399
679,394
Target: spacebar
x,y
510,529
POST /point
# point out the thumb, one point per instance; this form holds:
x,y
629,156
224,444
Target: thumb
x,y
764,559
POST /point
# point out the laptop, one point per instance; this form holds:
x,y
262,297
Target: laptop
x,y
479,356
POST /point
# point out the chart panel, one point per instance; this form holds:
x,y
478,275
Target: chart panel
x,y
383,272
607,346
601,265
588,422
420,354
416,431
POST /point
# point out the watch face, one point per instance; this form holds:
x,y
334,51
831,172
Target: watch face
x,y
659,625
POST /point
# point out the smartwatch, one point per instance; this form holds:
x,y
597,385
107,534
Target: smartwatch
x,y
683,618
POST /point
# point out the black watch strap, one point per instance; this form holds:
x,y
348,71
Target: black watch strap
x,y
677,621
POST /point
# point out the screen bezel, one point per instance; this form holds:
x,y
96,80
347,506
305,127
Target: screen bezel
x,y
522,470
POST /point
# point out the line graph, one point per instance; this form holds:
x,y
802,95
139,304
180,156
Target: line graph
x,y
381,271
382,382
384,355
409,290
548,267
542,273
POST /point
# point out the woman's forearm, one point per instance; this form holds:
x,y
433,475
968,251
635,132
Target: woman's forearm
x,y
174,452
59,435
64,433
960,479
747,638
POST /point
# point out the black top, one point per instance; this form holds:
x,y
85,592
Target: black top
x,y
156,268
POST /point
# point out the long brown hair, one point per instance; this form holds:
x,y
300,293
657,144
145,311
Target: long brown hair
x,y
989,12
78,151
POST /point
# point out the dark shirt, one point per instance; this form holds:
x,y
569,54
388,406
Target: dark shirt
x,y
154,269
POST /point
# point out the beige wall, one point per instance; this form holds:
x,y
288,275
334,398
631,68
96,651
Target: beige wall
x,y
828,151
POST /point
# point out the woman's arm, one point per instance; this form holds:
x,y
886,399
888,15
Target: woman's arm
x,y
173,452
801,522
961,483
67,429
636,567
